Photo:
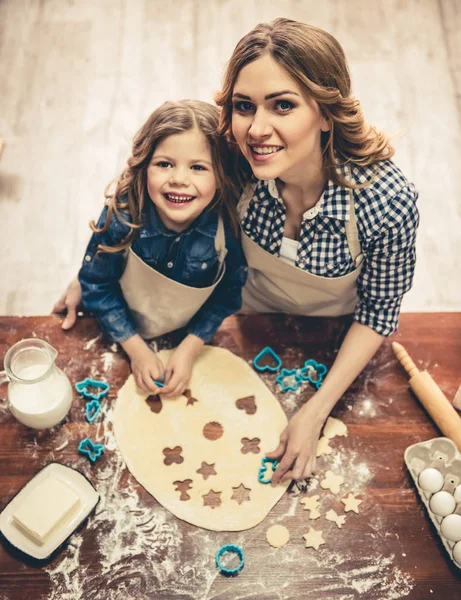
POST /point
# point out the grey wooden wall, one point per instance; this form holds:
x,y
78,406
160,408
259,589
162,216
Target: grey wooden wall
x,y
77,78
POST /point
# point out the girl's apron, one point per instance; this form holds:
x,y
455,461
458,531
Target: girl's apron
x,y
159,304
276,286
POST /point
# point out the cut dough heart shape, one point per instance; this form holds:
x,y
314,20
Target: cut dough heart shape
x,y
247,404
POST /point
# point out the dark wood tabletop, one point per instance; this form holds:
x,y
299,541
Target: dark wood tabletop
x,y
133,548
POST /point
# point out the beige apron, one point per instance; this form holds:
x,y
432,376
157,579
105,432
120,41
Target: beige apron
x,y
159,304
276,286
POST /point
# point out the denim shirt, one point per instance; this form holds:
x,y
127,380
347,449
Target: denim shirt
x,y
188,257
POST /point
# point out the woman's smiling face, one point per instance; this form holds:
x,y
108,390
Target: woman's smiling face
x,y
276,127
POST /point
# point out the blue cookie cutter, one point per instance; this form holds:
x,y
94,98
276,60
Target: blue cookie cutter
x,y
263,468
90,449
234,550
267,351
319,368
82,388
289,373
92,410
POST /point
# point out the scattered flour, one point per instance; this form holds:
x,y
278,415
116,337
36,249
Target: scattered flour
x,y
92,342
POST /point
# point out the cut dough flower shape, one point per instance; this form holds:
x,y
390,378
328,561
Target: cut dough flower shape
x,y
332,482
332,516
351,503
313,538
311,503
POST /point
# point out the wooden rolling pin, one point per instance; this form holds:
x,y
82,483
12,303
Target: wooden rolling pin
x,y
431,397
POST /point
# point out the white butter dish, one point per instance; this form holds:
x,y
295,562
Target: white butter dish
x,y
27,521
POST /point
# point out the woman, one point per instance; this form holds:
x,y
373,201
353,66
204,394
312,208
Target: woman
x,y
328,221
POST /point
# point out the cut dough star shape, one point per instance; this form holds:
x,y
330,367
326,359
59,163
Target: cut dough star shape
x,y
241,494
206,470
313,538
212,499
334,427
332,516
332,482
323,447
311,503
351,503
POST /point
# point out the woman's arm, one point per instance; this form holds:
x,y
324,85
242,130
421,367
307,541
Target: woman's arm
x,y
298,442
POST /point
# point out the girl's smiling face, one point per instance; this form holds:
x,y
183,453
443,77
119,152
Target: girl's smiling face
x,y
275,125
180,178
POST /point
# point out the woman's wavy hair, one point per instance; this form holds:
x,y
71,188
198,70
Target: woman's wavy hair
x,y
131,195
316,61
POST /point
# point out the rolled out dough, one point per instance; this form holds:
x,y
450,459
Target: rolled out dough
x,y
211,483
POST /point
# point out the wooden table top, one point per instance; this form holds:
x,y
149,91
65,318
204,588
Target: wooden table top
x,y
133,548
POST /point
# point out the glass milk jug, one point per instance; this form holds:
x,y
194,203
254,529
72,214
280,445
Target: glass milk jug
x,y
39,393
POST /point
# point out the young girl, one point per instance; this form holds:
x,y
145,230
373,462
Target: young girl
x,y
164,253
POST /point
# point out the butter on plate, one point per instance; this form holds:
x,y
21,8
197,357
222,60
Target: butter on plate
x,y
46,508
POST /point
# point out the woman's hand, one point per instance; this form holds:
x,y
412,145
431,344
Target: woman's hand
x,y
179,368
145,364
69,303
298,445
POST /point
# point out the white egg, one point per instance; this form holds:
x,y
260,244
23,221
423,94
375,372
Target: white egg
x,y
431,480
442,503
457,553
457,494
451,528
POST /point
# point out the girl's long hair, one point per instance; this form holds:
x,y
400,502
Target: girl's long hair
x,y
316,61
130,195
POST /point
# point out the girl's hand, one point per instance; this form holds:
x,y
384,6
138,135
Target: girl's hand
x,y
179,367
145,364
298,445
69,303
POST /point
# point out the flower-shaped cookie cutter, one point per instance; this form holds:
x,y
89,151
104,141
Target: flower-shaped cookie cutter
x,y
263,468
234,550
82,388
312,366
267,351
289,373
90,449
92,410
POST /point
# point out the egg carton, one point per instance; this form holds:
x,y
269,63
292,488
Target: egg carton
x,y
442,454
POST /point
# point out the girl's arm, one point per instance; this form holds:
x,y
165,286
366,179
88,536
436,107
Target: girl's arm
x,y
298,442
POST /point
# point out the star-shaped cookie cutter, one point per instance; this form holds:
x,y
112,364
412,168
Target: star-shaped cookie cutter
x,y
267,351
306,372
263,469
92,410
289,373
90,449
82,388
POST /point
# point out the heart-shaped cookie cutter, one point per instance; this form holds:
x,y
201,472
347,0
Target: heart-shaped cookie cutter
x,y
82,388
90,449
263,468
267,351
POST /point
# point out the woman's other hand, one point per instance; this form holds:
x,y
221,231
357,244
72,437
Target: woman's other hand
x,y
69,303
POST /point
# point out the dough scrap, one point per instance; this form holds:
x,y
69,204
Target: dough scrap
x,y
334,427
332,516
313,538
332,482
216,468
323,446
277,536
351,503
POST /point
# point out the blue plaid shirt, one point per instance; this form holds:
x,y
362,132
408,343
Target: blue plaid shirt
x,y
387,220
